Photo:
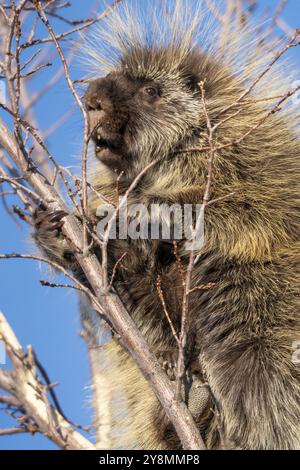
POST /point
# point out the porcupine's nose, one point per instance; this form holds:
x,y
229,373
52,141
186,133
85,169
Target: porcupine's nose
x,y
103,104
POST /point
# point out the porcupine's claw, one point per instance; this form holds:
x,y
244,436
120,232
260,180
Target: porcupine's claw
x,y
48,224
48,220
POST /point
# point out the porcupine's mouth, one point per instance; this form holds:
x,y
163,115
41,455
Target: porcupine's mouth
x,y
104,144
108,150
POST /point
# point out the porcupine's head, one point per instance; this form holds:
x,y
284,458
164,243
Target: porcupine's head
x,y
144,99
148,102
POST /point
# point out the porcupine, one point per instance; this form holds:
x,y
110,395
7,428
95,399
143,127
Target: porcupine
x,y
145,103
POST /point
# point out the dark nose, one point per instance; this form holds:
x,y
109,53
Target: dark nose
x,y
97,104
93,97
105,107
93,103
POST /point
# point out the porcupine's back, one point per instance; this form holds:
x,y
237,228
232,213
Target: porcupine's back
x,y
262,169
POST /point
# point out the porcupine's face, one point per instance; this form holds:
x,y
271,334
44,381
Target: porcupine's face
x,y
145,108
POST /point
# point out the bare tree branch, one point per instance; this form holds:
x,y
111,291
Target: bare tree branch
x,y
24,385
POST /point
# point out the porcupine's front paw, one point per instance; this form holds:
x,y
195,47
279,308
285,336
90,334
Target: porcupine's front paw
x,y
168,361
49,237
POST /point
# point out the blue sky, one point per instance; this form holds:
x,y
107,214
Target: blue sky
x,y
48,318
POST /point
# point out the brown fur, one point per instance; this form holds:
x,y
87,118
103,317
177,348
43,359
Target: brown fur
x,y
241,330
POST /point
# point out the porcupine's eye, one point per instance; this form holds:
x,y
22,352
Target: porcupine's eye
x,y
150,92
